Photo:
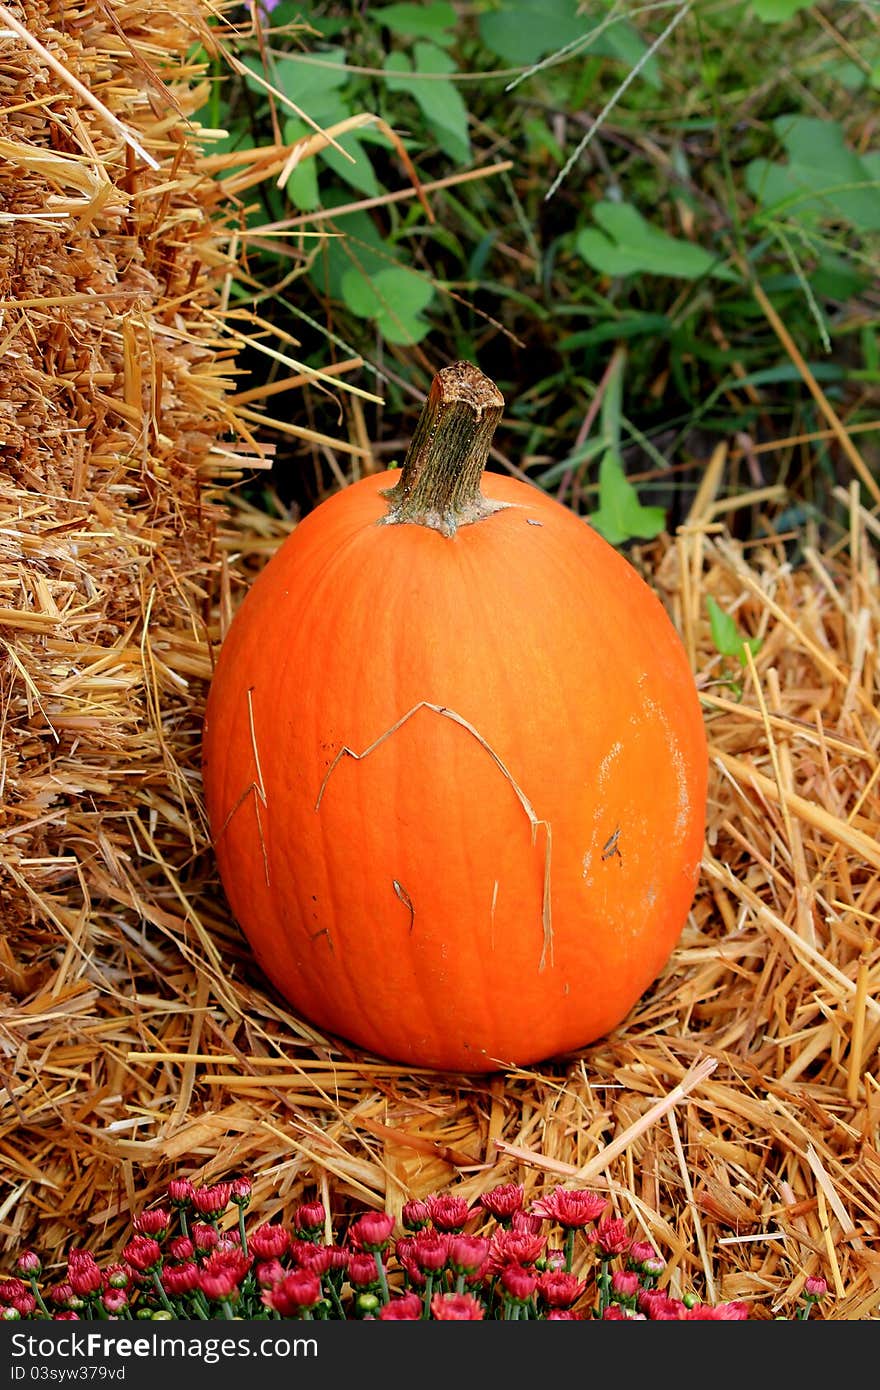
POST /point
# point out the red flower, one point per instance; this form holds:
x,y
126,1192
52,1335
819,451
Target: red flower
x,y
718,1312
25,1304
362,1272
317,1258
815,1286
182,1278
338,1257
415,1215
219,1284
468,1254
557,1289
625,1286
528,1222
268,1272
659,1307
180,1191
229,1242
638,1251
142,1253
372,1230
118,1276
612,1236
83,1274
503,1201
519,1283
231,1261
571,1209
513,1248
406,1260
296,1293
404,1307
268,1241
563,1315
10,1290
62,1296
430,1250
65,1317
114,1300
617,1313
152,1223
212,1201
448,1213
309,1218
241,1191
29,1264
643,1257
456,1307
204,1237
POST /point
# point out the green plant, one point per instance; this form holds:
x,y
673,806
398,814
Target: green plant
x,y
730,642
649,176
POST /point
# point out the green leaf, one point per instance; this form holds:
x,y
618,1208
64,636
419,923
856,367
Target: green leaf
x,y
302,186
307,79
622,41
628,245
394,299
824,180
522,32
847,73
359,249
777,11
419,21
357,172
726,636
620,515
836,278
440,102
541,140
360,173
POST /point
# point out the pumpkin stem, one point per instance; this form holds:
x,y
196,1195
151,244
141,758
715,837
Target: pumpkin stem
x,y
439,485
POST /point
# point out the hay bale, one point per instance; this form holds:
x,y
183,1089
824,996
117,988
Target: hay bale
x,y
115,423
733,1117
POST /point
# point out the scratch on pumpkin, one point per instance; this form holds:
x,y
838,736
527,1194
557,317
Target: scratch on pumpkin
x,y
258,788
534,821
405,898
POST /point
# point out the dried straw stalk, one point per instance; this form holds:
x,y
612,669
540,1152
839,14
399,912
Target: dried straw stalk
x,y
733,1118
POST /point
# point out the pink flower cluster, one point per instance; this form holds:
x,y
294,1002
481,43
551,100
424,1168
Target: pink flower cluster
x,y
564,1257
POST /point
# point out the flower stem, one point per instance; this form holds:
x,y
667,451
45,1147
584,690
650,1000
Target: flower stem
x,y
604,1286
38,1297
429,1289
380,1270
241,1229
163,1297
333,1293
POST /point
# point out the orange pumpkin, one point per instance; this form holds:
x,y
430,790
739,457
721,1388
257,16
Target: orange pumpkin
x,y
454,762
